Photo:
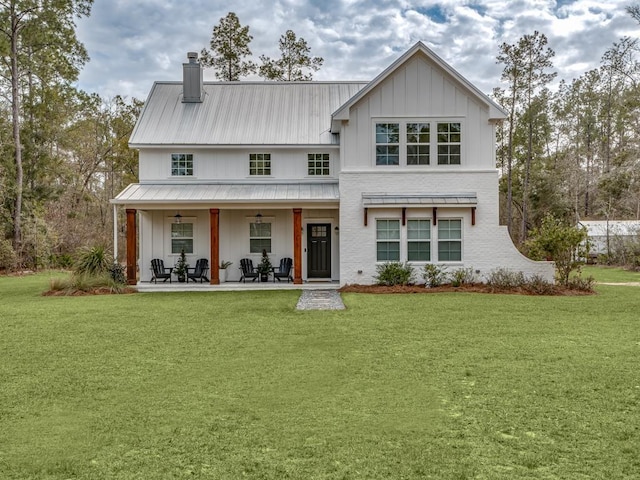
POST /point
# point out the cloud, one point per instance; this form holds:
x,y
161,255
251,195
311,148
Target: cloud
x,y
132,44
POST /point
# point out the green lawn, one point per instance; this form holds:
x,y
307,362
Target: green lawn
x,y
229,385
610,274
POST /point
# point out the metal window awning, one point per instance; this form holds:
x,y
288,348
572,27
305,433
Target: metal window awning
x,y
232,193
388,200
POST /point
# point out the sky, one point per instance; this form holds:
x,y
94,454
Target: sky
x,y
133,43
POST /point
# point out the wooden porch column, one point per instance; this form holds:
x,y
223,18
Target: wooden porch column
x,y
214,222
132,242
297,245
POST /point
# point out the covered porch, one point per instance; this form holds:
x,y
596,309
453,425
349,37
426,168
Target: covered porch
x,y
230,222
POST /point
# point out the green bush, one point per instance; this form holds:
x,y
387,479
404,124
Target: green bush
x,y
8,257
393,273
87,283
505,279
92,261
565,245
116,271
463,276
434,275
537,285
583,284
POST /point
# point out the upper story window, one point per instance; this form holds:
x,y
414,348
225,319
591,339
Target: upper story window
x,y
449,144
418,140
259,164
387,143
410,143
318,164
181,164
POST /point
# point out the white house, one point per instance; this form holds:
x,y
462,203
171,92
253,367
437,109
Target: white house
x,y
339,176
606,236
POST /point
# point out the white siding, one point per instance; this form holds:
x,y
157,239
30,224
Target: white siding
x,y
233,164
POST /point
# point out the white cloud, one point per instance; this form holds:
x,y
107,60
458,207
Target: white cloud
x,y
133,44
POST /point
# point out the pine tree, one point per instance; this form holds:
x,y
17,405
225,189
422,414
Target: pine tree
x,y
294,61
229,46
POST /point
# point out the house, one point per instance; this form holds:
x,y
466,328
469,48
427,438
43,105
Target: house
x,y
607,236
339,176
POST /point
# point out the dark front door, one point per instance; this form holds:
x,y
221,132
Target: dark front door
x,y
319,250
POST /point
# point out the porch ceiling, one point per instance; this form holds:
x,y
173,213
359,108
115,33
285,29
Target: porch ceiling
x,y
418,199
157,194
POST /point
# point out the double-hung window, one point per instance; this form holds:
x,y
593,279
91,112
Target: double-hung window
x,y
415,142
387,143
318,164
259,164
449,143
418,140
388,240
419,240
181,238
181,164
259,237
449,240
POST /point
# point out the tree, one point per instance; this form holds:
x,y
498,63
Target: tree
x,y
295,59
229,45
525,65
38,48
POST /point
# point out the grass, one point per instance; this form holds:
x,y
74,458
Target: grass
x,y
610,274
231,385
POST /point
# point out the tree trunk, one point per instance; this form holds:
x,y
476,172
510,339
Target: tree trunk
x,y
15,112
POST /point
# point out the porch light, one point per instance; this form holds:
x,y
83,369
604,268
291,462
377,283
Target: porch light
x,y
177,218
258,217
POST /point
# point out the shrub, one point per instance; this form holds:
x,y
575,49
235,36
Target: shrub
x,y
565,245
434,275
8,257
463,276
393,273
505,279
583,284
86,283
92,261
116,272
537,285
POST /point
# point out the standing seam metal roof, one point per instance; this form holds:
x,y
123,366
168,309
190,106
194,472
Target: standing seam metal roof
x,y
243,113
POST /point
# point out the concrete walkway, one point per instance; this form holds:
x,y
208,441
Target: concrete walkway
x,y
320,300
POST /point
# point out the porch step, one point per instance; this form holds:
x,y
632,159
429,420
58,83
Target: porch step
x,y
320,300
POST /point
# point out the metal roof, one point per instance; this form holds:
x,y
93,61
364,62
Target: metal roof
x,y
149,194
432,199
243,113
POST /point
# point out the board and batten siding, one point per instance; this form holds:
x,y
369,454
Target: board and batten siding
x,y
233,164
415,91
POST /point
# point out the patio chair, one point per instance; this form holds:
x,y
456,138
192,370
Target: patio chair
x,y
248,270
159,271
284,270
199,271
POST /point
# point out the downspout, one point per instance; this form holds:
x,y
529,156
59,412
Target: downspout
x,y
115,234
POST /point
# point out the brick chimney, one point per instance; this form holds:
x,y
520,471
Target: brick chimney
x,y
192,80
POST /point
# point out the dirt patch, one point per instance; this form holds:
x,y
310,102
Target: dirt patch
x,y
556,290
83,293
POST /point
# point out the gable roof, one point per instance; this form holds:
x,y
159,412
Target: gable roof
x,y
496,112
242,113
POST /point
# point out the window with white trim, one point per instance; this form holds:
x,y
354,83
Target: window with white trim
x,y
259,164
181,238
449,240
259,237
181,164
387,143
388,240
410,143
418,143
419,240
449,143
318,164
